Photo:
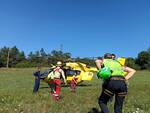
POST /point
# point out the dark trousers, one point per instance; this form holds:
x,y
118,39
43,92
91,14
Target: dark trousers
x,y
111,88
36,85
37,81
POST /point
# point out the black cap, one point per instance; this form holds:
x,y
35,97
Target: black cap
x,y
108,56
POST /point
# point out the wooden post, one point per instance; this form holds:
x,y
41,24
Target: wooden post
x,y
8,58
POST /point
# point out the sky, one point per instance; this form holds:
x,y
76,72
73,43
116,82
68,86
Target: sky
x,y
84,28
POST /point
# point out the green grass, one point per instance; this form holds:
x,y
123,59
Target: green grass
x,y
16,95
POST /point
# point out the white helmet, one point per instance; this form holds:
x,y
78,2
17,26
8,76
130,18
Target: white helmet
x,y
59,63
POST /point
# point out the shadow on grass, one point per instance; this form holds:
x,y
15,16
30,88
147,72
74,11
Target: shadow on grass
x,y
80,85
84,85
94,110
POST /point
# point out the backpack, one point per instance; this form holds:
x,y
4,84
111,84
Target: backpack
x,y
104,73
52,74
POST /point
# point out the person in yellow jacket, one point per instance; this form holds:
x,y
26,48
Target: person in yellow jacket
x,y
112,72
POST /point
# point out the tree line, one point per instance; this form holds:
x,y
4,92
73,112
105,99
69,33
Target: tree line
x,y
13,57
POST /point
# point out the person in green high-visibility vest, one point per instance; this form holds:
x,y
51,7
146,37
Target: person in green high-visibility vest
x,y
112,72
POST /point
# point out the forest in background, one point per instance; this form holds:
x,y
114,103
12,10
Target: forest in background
x,y
15,58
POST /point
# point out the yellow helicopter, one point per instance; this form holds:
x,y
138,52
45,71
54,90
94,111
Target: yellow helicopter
x,y
80,70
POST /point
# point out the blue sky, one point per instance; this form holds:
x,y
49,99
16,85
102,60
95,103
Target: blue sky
x,y
85,28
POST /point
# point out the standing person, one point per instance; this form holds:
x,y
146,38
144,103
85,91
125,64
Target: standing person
x,y
56,80
37,80
73,83
114,84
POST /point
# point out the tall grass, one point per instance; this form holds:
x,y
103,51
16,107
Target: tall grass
x,y
16,95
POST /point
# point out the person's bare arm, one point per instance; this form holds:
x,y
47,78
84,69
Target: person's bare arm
x,y
130,72
98,63
75,81
63,75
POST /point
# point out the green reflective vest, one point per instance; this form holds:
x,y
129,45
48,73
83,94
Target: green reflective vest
x,y
115,67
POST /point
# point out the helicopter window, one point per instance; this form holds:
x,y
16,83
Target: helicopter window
x,y
77,72
70,72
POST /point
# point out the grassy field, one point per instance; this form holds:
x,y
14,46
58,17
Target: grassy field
x,y
16,95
